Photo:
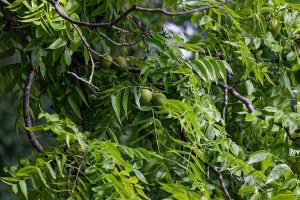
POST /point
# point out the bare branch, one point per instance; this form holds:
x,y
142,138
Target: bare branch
x,y
117,43
247,102
120,29
89,53
32,137
83,80
221,181
93,67
63,15
225,103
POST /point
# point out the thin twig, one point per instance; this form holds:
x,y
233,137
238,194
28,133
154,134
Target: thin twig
x,y
89,53
207,173
221,181
120,29
216,54
225,103
93,68
117,43
90,50
83,80
69,191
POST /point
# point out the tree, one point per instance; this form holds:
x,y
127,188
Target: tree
x,y
134,117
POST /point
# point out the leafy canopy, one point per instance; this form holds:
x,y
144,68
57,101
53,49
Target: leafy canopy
x,y
228,128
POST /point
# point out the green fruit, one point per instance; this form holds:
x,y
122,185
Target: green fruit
x,y
121,61
237,137
106,61
158,99
275,27
296,167
146,96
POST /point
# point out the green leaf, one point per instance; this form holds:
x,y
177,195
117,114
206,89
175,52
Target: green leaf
x,y
250,117
116,104
7,53
71,6
68,55
257,156
82,96
23,187
74,107
204,20
284,197
15,188
247,190
136,96
140,176
61,41
277,172
42,177
52,172
125,101
36,57
257,42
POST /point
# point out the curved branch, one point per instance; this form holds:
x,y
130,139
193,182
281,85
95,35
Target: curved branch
x,y
32,137
111,24
247,102
11,21
221,181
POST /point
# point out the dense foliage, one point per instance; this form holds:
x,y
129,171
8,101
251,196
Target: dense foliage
x,y
141,112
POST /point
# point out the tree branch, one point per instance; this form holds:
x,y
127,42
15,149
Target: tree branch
x,y
221,181
247,102
83,80
89,53
111,24
63,15
11,21
32,137
225,103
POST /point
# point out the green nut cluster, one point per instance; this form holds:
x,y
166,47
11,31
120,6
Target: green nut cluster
x,y
157,99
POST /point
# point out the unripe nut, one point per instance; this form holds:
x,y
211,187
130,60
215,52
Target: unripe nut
x,y
121,61
158,99
106,61
146,95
